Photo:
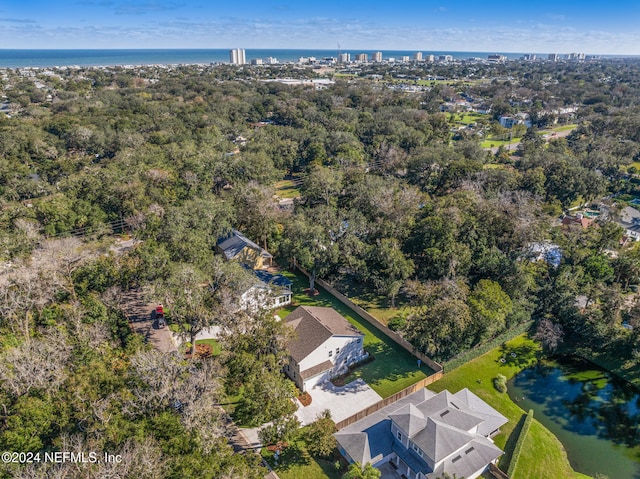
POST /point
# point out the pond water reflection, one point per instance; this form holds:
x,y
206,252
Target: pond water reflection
x,y
595,415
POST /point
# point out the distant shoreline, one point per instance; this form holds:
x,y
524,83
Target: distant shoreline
x,y
51,58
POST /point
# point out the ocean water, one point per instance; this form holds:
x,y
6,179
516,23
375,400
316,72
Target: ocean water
x,y
61,58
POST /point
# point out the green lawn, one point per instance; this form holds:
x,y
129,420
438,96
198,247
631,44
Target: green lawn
x,y
492,143
543,456
215,345
375,304
559,128
393,368
296,463
628,370
287,189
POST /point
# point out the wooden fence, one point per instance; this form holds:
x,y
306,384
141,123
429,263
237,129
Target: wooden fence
x,y
375,323
436,367
390,400
497,473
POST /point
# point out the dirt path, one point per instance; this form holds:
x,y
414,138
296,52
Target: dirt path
x,y
138,311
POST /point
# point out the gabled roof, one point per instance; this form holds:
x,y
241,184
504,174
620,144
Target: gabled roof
x,y
314,325
275,279
232,244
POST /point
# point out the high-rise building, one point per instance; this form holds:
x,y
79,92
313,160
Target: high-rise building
x,y
237,56
530,57
256,61
553,57
376,56
445,58
496,57
344,58
429,58
362,57
271,60
417,56
404,58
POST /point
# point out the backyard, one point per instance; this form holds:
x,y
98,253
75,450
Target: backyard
x,y
392,369
295,462
543,456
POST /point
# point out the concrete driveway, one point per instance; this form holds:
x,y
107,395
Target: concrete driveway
x,y
343,401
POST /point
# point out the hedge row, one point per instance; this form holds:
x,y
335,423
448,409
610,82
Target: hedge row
x,y
518,447
473,353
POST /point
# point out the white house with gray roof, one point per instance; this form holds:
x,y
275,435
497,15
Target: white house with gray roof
x,y
424,436
325,344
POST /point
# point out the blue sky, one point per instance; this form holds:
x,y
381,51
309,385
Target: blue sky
x,y
427,25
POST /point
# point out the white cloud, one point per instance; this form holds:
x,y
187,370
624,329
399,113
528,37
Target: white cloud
x,y
317,32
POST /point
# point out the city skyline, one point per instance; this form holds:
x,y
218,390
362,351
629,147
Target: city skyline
x,y
594,28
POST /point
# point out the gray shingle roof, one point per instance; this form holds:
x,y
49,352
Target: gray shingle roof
x,y
492,419
409,419
438,439
446,418
475,456
314,325
235,242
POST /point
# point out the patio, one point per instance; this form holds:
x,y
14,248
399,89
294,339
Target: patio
x,y
343,401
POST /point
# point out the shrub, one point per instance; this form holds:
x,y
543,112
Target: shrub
x,y
518,447
396,324
500,383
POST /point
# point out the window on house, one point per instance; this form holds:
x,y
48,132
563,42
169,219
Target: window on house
x,y
294,375
359,340
337,350
399,436
330,353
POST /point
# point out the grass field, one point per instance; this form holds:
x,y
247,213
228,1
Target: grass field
x,y
393,368
491,143
296,463
543,456
286,189
215,345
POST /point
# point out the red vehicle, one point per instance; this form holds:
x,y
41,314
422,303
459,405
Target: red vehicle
x,y
159,314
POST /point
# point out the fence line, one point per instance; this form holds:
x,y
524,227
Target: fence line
x,y
118,225
375,322
436,367
390,400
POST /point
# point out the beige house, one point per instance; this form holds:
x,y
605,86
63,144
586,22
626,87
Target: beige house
x,y
237,247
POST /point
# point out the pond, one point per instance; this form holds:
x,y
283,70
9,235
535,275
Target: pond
x,y
595,415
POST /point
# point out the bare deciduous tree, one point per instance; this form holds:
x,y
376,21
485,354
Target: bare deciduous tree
x,y
39,364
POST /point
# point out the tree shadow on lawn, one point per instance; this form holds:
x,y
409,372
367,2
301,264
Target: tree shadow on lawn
x,y
521,356
389,366
291,456
509,447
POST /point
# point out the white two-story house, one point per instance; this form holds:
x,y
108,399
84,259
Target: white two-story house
x,y
424,436
325,344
